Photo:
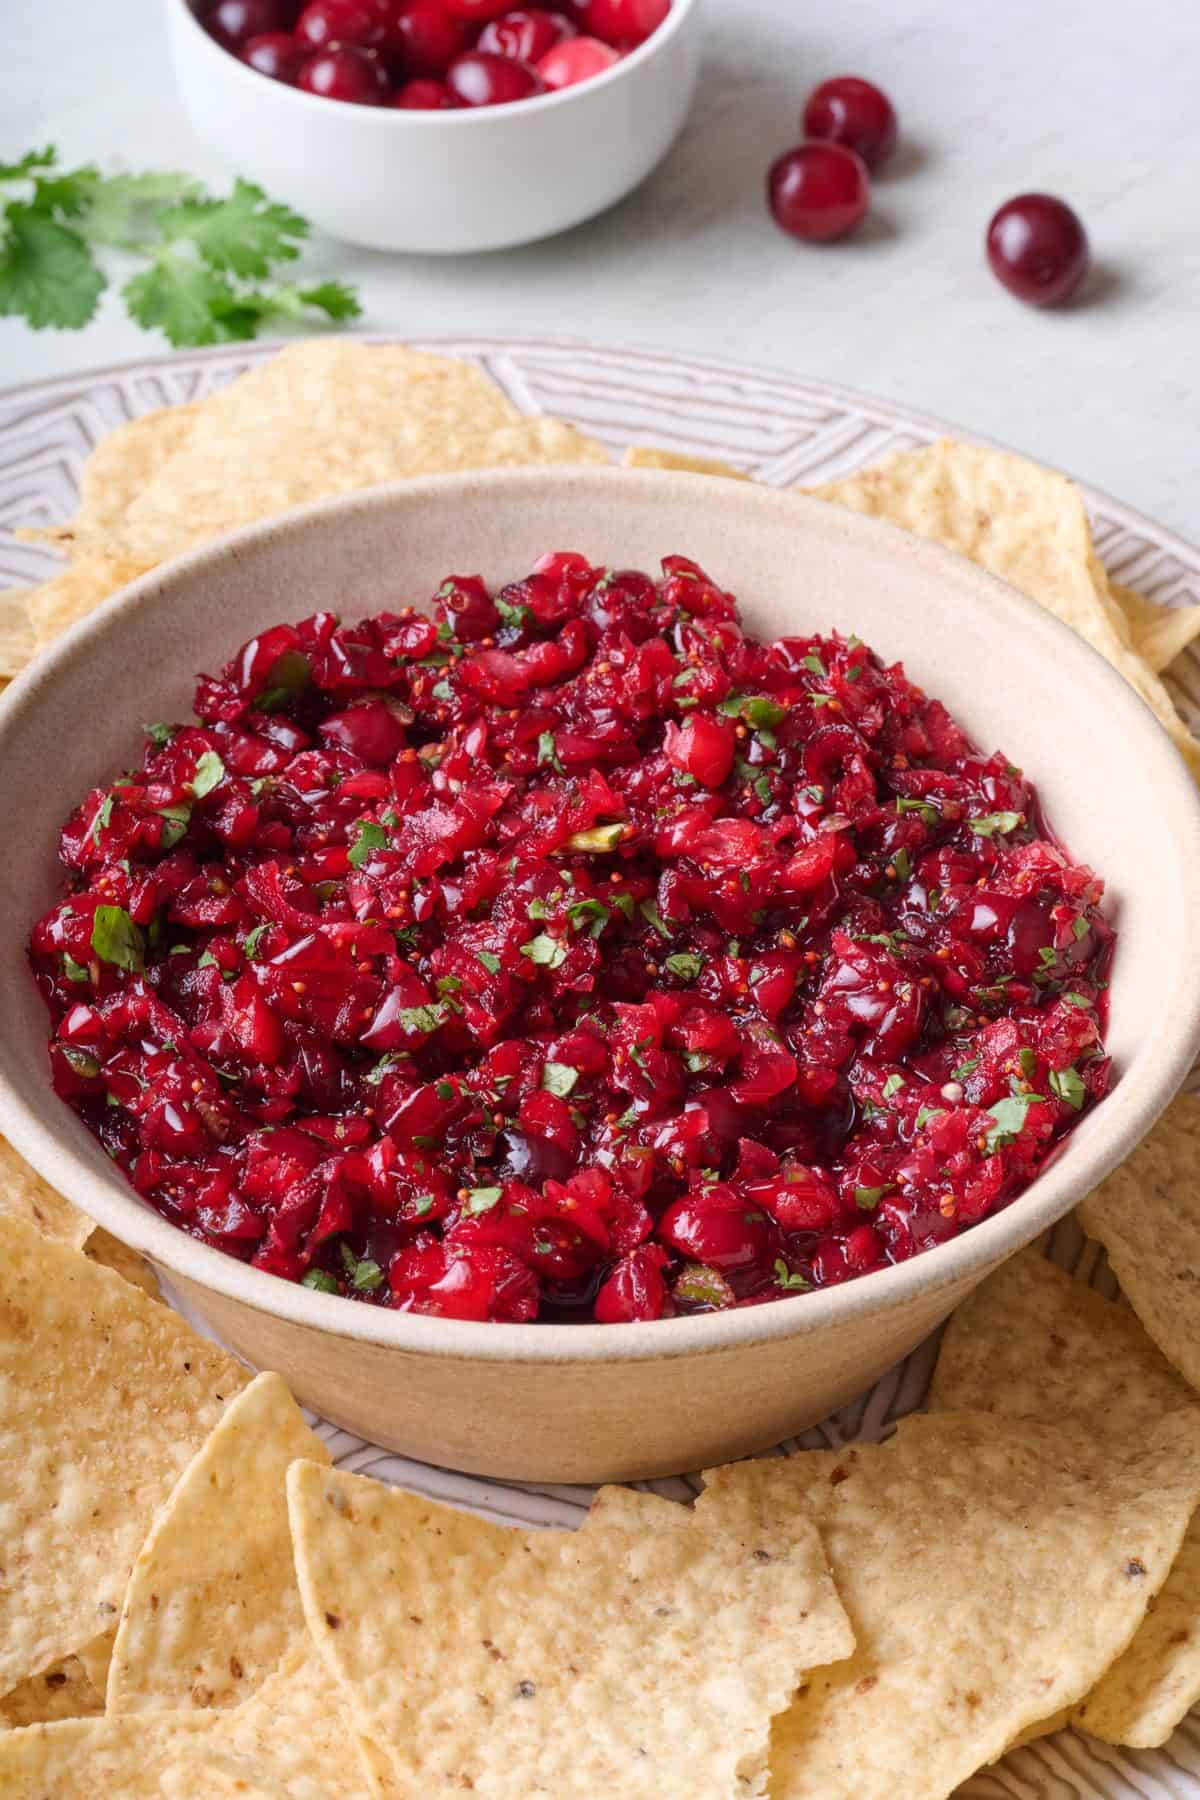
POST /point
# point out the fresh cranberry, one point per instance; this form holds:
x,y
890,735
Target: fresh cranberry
x,y
622,21
345,73
846,110
575,60
476,12
526,34
277,54
818,192
342,22
424,96
1038,249
424,38
232,22
482,79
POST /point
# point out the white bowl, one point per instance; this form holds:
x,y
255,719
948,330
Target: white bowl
x,y
592,1402
482,178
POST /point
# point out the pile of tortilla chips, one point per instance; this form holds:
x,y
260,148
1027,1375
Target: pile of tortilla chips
x,y
333,415
194,1602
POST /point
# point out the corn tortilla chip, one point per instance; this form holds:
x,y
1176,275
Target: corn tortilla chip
x,y
1024,523
63,1691
24,1195
16,630
79,590
992,1570
102,1247
104,1398
503,1662
96,1656
289,1739
114,475
1147,1216
325,418
640,457
212,1606
1033,1343
1159,633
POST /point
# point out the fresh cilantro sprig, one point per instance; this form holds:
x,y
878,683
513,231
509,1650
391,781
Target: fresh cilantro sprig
x,y
209,261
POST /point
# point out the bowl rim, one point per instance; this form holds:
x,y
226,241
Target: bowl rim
x,y
48,1141
459,118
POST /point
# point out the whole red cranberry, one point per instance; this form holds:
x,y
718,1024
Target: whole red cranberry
x,y
1038,248
424,95
624,22
576,59
344,72
423,37
277,54
482,79
526,34
847,110
818,191
476,12
231,22
325,22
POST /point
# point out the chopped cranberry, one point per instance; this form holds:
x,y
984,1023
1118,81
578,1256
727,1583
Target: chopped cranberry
x,y
847,110
577,59
1038,249
526,34
622,21
818,192
277,54
345,73
561,953
424,96
476,12
423,37
482,79
325,22
233,22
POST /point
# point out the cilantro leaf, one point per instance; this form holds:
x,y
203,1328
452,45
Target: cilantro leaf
x,y
318,1279
482,1199
371,837
127,211
545,950
210,772
996,824
490,961
47,274
559,1078
117,940
592,913
365,1276
72,970
684,965
597,837
784,1278
32,159
423,1018
867,1198
187,302
892,1085
1069,1088
1009,1115
251,941
243,234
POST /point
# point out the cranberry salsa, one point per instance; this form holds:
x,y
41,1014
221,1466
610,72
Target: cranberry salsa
x,y
569,954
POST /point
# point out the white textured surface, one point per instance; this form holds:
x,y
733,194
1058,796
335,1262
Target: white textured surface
x,y
1090,98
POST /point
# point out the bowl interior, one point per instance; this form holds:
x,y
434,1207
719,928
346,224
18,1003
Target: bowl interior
x,y
1112,786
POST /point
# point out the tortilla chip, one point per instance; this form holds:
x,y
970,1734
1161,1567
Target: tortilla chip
x,y
96,1657
212,1606
24,1195
104,1398
16,630
289,1739
328,417
992,1569
57,605
1160,633
63,1691
1024,523
1033,1343
103,1248
640,457
1147,1216
644,1654
114,475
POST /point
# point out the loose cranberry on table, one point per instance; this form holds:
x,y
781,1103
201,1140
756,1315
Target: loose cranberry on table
x,y
423,38
818,191
344,72
578,59
565,953
1038,249
424,95
847,110
277,54
482,79
232,22
526,34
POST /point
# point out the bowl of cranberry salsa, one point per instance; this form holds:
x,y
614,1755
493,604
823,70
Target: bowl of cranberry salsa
x,y
439,125
612,975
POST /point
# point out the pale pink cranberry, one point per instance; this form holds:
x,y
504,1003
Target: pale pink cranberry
x,y
577,59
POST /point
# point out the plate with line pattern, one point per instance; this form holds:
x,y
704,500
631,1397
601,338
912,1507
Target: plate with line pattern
x,y
781,429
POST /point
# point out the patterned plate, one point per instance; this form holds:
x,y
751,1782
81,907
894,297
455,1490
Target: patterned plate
x,y
782,430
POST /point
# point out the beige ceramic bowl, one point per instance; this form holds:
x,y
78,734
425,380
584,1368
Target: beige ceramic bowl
x,y
582,1403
